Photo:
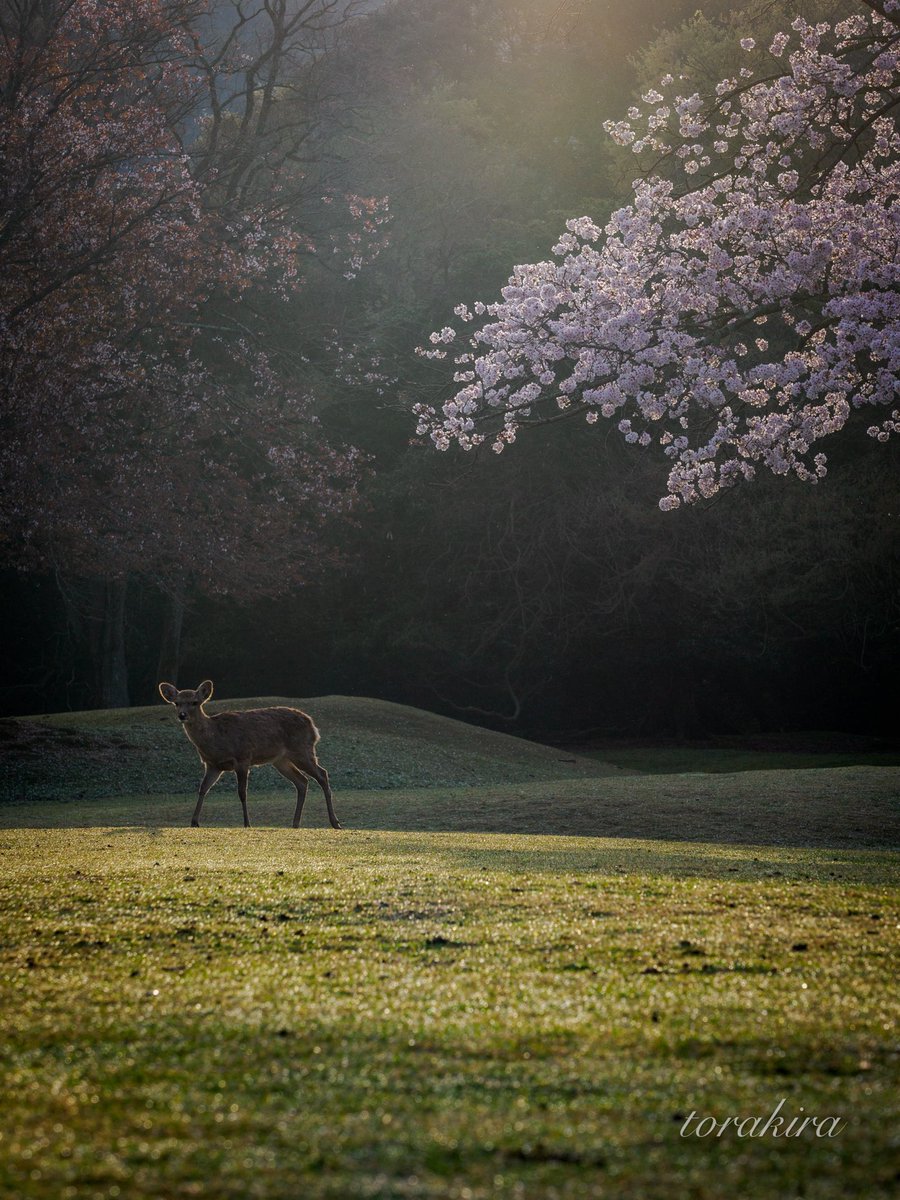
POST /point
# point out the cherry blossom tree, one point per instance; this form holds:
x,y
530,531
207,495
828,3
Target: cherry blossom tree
x,y
152,181
744,306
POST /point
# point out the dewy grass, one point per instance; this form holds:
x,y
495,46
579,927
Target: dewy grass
x,y
281,1013
444,1001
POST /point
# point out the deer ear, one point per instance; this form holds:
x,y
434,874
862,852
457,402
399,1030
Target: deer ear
x,y
168,692
204,691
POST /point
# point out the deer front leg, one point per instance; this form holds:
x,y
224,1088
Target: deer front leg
x,y
243,774
211,777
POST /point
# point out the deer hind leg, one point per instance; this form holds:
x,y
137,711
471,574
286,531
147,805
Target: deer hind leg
x,y
298,779
311,766
243,774
212,776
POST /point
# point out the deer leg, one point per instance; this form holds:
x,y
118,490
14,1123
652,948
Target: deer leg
x,y
299,780
243,774
320,775
211,777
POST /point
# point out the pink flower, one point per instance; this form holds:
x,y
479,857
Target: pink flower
x,y
647,320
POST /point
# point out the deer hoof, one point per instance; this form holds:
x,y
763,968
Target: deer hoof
x,y
336,825
195,824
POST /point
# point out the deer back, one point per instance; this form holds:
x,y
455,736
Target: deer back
x,y
255,736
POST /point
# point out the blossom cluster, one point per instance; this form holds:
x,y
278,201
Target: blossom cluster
x,y
745,302
367,235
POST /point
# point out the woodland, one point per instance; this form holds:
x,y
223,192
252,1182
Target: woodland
x,y
228,234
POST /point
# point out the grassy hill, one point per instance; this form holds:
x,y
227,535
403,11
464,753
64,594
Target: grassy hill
x,y
394,767
366,744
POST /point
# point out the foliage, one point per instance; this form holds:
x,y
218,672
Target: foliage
x,y
148,428
544,591
543,588
736,321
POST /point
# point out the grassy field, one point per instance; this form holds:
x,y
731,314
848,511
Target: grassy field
x,y
520,989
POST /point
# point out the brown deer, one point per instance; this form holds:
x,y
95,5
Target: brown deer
x,y
237,741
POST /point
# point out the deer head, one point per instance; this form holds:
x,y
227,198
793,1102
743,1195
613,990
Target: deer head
x,y
188,703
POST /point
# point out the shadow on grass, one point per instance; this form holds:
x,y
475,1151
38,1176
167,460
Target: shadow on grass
x,y
853,807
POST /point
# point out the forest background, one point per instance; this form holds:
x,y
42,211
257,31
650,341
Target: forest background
x,y
268,517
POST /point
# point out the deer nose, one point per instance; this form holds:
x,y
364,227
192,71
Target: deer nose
x,y
182,716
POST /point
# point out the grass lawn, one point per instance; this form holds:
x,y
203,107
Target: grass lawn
x,y
433,1003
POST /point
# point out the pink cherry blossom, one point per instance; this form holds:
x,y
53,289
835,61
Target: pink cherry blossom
x,y
737,311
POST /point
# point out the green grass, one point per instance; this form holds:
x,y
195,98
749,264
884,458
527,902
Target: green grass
x,y
366,744
455,998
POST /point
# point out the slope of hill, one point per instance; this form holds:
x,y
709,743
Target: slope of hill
x,y
366,744
399,768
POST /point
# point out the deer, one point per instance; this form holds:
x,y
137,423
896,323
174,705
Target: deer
x,y
237,741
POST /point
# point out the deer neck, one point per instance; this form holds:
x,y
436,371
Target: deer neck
x,y
199,729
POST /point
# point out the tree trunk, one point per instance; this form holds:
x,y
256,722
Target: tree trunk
x,y
95,614
112,665
169,662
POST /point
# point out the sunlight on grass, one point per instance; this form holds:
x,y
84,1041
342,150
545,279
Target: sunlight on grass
x,y
282,1013
513,975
